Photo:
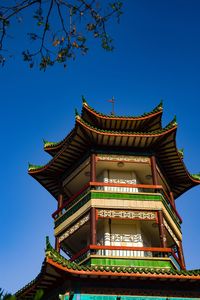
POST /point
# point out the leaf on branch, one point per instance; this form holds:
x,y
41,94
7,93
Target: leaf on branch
x,y
91,27
45,62
56,43
33,36
81,38
75,45
27,56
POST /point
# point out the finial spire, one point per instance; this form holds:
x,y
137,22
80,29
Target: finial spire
x,y
113,105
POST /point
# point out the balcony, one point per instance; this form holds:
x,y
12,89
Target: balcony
x,y
121,191
127,256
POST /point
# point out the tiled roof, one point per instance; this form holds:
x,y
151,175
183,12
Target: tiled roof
x,y
55,266
54,256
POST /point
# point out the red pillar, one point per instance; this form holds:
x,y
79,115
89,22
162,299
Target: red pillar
x,y
153,170
172,199
163,239
60,200
93,230
60,204
57,245
181,256
93,167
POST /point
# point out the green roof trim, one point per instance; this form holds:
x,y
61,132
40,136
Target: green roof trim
x,y
158,108
160,105
76,112
196,176
181,152
48,144
84,100
32,167
174,121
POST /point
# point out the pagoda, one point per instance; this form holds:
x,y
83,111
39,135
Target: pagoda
x,y
117,230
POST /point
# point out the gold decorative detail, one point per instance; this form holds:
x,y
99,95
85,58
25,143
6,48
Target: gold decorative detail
x,y
124,158
127,214
75,227
171,232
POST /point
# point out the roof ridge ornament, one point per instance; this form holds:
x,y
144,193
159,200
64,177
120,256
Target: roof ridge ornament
x,y
77,116
160,105
49,144
112,100
48,245
32,167
174,121
84,101
181,152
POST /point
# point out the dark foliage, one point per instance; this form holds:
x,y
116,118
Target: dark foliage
x,y
60,28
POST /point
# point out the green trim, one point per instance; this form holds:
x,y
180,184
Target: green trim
x,y
144,197
84,100
144,263
196,176
48,144
181,152
32,167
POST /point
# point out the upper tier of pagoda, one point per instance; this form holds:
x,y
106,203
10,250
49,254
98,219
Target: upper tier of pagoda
x,y
95,132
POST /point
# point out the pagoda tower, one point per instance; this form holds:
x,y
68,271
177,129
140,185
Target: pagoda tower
x,y
117,230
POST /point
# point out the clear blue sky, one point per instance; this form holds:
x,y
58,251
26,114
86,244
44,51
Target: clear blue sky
x,y
157,56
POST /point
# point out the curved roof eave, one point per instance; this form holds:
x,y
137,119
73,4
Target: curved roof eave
x,y
80,122
53,148
54,263
153,119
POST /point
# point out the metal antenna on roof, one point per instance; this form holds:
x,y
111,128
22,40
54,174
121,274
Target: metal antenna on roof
x,y
113,105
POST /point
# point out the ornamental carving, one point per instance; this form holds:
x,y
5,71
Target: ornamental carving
x,y
127,214
75,227
171,232
128,238
138,159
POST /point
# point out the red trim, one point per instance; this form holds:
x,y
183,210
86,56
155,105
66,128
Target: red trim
x,y
152,249
144,186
